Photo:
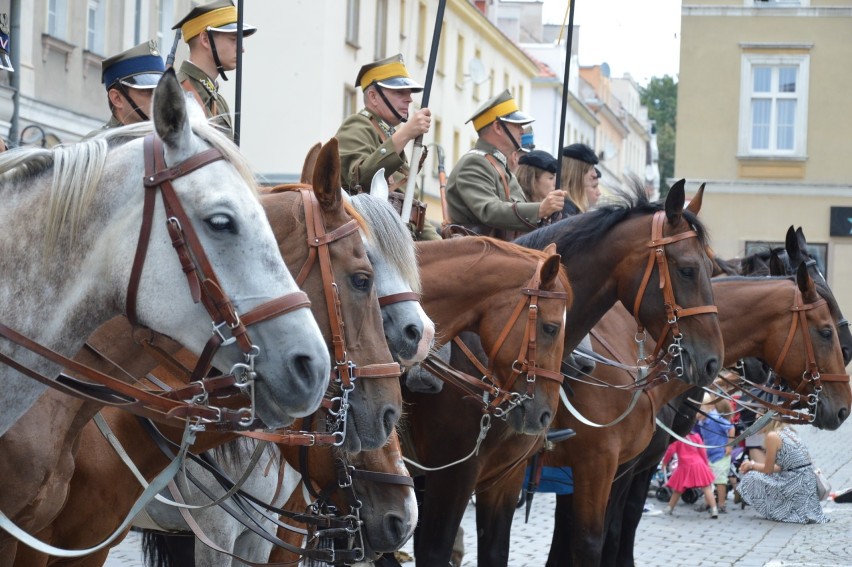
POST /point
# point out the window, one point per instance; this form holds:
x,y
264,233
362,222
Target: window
x,y
456,145
95,29
352,9
403,33
477,92
460,61
437,131
165,20
57,18
381,29
441,64
350,101
773,105
422,31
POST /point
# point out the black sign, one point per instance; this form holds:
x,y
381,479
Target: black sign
x,y
841,221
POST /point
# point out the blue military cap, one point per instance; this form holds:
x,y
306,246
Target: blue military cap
x,y
140,67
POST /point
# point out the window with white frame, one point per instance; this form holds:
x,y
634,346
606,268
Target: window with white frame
x,y
95,29
352,9
165,21
381,29
350,101
773,105
57,18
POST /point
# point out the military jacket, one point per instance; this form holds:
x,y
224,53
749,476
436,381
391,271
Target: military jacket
x,y
206,91
113,123
476,195
363,153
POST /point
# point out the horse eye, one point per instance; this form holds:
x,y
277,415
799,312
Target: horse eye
x,y
687,273
826,332
221,223
361,282
551,329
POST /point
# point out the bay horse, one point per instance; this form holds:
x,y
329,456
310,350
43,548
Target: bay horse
x,y
755,314
70,218
605,253
84,520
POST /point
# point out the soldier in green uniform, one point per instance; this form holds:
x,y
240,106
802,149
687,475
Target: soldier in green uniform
x,y
210,31
483,194
376,136
130,78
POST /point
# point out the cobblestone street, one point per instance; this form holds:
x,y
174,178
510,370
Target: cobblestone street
x,y
688,538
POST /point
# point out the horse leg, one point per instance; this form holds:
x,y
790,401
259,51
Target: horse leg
x,y
495,509
560,544
592,482
615,509
632,516
444,501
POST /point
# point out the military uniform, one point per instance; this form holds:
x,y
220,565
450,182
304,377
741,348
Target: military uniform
x,y
139,67
206,92
365,146
483,195
219,16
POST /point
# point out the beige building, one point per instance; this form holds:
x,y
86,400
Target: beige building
x,y
764,116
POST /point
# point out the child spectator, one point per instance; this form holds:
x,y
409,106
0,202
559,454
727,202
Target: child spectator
x,y
693,471
718,432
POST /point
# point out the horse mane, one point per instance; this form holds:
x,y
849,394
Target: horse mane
x,y
389,235
77,170
579,232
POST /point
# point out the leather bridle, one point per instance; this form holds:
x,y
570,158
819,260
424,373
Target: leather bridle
x,y
204,287
811,376
496,398
657,255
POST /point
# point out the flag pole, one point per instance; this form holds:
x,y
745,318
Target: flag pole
x,y
427,87
564,118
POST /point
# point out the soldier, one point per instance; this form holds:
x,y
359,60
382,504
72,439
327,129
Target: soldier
x,y
483,194
376,136
211,33
130,78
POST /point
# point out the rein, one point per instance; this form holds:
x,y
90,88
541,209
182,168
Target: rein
x,y
204,288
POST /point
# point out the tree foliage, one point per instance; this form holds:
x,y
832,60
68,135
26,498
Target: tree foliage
x,y
660,97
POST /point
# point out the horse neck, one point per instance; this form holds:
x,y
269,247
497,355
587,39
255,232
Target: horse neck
x,y
751,312
461,277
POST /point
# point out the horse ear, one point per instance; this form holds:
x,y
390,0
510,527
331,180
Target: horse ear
x,y
802,241
776,265
550,271
326,177
695,203
310,164
379,186
171,121
805,282
674,201
791,244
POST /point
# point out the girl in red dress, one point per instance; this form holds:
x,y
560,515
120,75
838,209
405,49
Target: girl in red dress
x,y
692,471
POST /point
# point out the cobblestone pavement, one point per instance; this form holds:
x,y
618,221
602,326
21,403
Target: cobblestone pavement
x,y
738,538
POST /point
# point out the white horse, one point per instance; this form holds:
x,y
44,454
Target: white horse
x,y
69,227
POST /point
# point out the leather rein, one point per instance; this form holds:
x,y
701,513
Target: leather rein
x,y
204,287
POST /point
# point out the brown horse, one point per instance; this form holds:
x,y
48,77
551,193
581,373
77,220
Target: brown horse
x,y
755,315
85,520
605,253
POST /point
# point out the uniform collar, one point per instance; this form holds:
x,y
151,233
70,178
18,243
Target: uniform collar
x,y
486,147
194,71
386,128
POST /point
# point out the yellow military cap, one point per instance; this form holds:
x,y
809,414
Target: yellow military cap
x,y
140,67
218,16
389,73
502,106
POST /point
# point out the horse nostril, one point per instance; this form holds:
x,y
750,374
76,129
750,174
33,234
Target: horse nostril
x,y
843,414
390,416
413,333
396,529
545,419
711,368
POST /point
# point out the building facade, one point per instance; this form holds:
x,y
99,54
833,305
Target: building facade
x,y
763,119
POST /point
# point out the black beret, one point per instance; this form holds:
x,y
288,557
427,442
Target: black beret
x,y
581,152
539,159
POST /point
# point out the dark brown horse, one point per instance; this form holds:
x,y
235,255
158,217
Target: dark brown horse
x,y
606,254
756,316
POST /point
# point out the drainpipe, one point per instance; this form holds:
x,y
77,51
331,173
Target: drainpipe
x,y
15,57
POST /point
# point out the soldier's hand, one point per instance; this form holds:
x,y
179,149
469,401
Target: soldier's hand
x,y
418,124
553,203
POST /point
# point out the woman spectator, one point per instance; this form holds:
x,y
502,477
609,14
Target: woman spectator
x,y
536,174
579,178
783,487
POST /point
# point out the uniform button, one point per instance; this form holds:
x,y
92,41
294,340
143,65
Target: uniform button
x,y
383,151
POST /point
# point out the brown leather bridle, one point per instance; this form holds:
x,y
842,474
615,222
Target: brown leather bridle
x,y
811,376
204,287
493,397
657,255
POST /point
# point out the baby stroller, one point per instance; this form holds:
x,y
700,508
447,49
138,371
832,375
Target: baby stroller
x,y
664,493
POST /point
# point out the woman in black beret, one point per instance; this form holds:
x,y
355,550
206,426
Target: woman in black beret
x,y
579,178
